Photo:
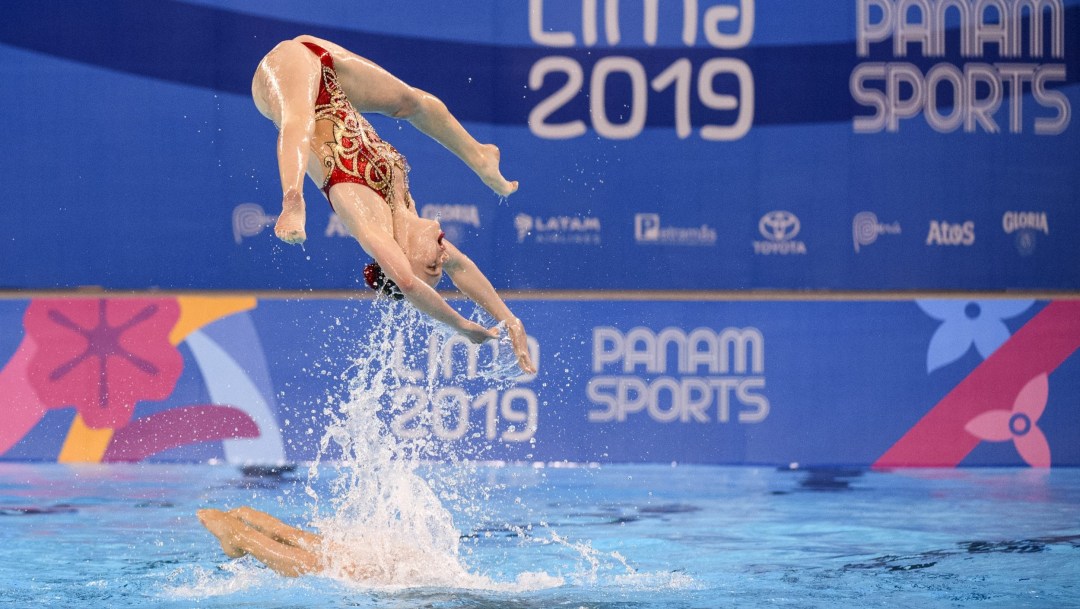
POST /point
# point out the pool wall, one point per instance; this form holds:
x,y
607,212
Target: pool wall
x,y
247,379
748,231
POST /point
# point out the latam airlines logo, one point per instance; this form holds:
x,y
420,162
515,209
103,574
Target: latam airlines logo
x,y
945,233
648,229
779,229
558,229
248,220
1025,225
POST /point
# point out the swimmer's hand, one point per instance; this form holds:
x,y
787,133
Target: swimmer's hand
x,y
477,333
520,341
290,224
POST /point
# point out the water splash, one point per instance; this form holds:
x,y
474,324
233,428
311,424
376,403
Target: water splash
x,y
384,522
387,512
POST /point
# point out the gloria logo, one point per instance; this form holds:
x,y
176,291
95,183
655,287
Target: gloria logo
x,y
944,233
649,229
248,220
558,229
865,229
452,218
779,228
524,225
1025,224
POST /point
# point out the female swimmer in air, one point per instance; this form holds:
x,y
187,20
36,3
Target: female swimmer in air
x,y
315,92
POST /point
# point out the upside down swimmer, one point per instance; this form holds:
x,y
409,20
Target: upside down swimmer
x,y
315,92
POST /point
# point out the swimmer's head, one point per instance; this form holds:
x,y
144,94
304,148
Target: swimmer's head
x,y
378,281
424,247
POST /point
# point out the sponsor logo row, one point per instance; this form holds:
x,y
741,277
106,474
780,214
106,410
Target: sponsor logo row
x,y
1025,226
779,230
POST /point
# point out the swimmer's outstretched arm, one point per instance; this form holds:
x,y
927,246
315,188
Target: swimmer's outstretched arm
x,y
381,246
371,88
471,281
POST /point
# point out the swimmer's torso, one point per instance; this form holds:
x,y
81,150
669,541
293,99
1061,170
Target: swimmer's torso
x,y
345,147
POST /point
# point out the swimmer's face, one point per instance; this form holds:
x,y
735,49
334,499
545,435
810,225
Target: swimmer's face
x,y
425,250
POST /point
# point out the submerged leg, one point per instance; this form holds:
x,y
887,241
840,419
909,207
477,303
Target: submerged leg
x,y
372,89
275,528
238,538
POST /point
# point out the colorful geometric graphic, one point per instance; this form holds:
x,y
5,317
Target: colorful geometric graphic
x,y
103,356
1001,399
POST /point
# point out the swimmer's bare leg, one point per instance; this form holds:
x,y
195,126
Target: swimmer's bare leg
x,y
431,116
222,529
285,88
238,538
275,528
372,89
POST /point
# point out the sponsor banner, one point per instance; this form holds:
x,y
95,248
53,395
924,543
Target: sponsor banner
x,y
716,144
779,229
888,383
865,229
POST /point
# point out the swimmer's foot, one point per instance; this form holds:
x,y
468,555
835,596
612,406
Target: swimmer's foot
x,y
218,523
290,224
488,170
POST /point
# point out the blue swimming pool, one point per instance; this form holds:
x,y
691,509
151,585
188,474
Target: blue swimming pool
x,y
595,537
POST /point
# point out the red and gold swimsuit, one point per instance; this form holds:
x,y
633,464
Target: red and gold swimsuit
x,y
357,154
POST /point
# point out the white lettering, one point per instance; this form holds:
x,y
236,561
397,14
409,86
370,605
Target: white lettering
x,y
731,349
542,37
669,400
1013,221
981,23
899,91
944,233
970,94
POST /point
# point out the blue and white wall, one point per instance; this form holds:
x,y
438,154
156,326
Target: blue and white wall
x,y
858,146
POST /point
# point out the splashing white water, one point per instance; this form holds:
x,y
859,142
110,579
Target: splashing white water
x,y
383,522
383,510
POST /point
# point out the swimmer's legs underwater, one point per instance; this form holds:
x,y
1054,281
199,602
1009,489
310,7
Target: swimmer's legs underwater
x,y
287,550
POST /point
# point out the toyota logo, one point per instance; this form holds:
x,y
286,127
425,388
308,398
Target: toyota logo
x,y
779,226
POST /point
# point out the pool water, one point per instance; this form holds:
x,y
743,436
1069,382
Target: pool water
x,y
613,536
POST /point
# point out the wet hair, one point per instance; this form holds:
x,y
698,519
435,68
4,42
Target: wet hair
x,y
378,281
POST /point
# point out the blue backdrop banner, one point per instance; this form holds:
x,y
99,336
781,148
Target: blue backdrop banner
x,y
703,144
886,383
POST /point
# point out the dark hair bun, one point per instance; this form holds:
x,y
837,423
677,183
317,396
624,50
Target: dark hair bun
x,y
378,281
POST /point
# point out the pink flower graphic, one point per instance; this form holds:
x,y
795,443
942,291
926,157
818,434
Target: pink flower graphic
x,y
102,356
1018,424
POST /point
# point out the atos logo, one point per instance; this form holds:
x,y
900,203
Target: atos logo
x,y
944,233
779,229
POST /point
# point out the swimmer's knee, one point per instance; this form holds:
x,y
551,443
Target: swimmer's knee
x,y
409,103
